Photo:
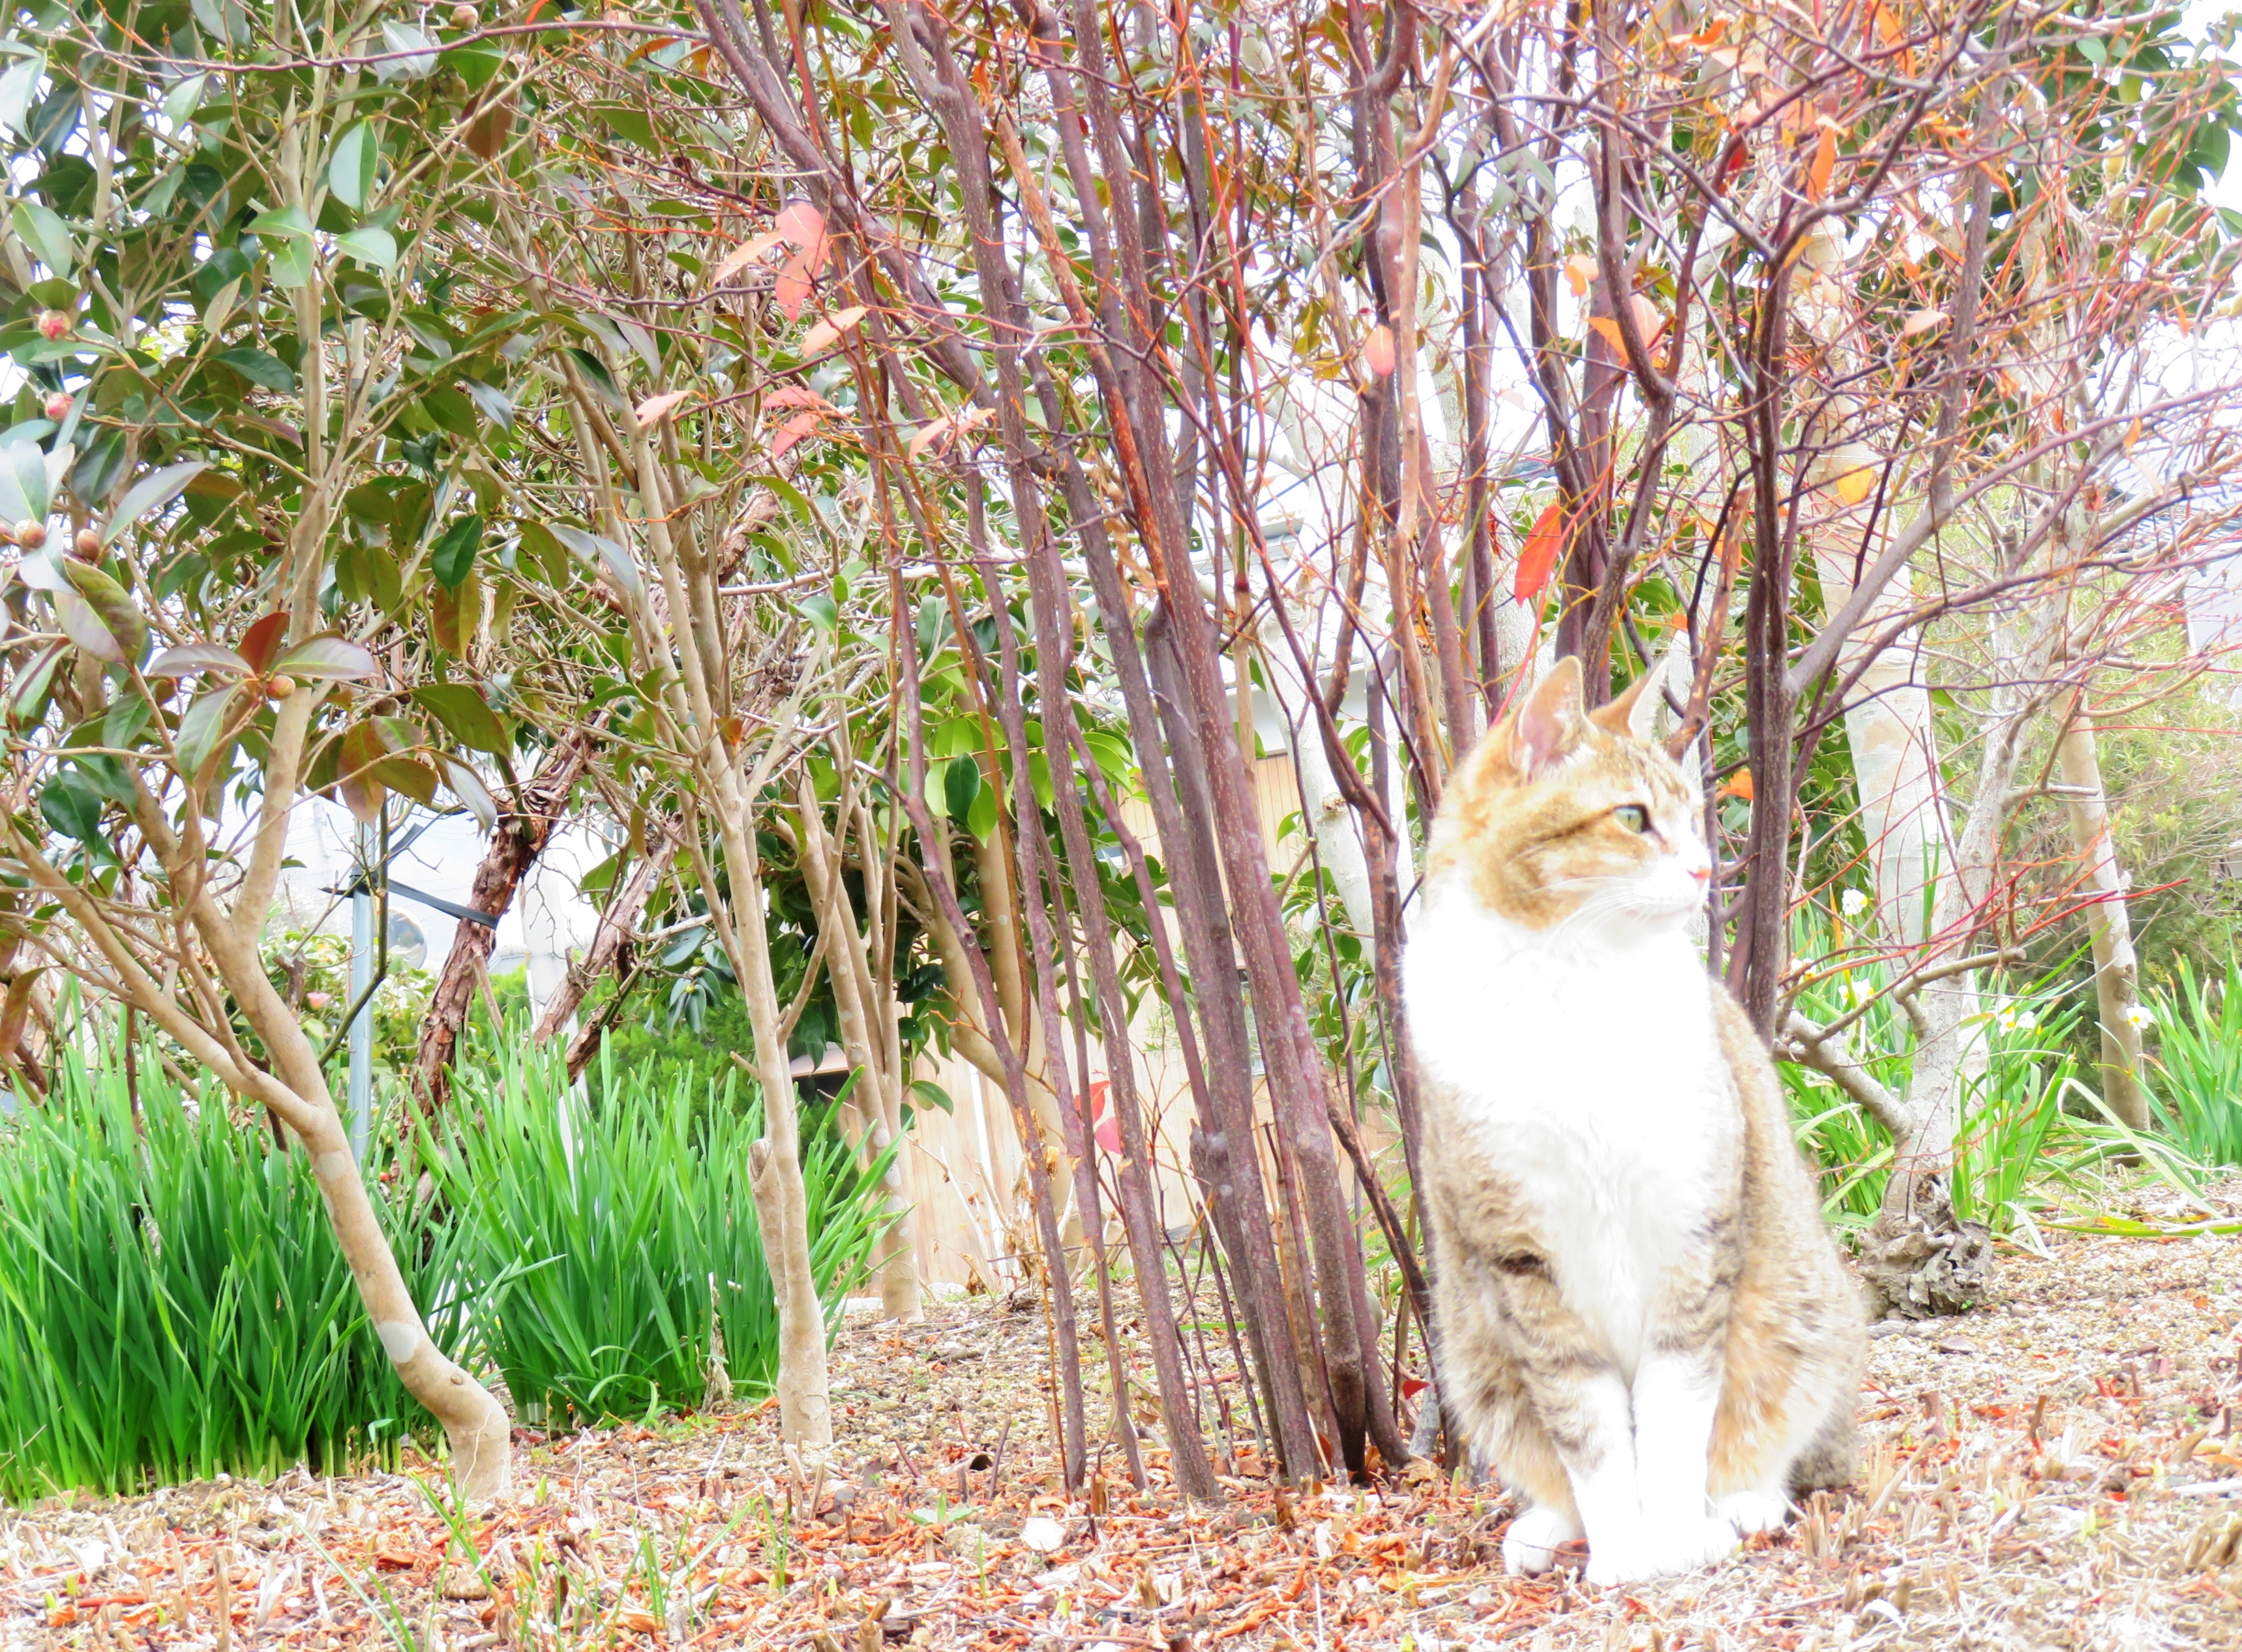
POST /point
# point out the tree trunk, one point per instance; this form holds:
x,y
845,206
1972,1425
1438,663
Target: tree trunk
x,y
878,1090
611,951
515,847
2109,925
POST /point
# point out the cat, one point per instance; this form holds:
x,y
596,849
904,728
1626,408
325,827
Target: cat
x,y
1641,1322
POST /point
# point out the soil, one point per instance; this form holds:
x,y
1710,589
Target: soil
x,y
2060,1468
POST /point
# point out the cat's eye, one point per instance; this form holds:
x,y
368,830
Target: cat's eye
x,y
1634,816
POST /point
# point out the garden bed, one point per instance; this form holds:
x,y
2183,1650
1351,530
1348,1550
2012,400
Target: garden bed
x,y
2025,1486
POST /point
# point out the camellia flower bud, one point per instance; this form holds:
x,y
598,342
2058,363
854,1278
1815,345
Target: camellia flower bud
x,y
59,405
89,545
463,17
54,324
280,687
31,534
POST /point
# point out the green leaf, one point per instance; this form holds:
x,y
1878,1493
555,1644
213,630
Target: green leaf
x,y
27,695
328,658
933,1094
72,808
190,658
18,87
544,545
99,468
293,262
595,371
258,367
151,491
630,123
351,168
960,785
112,604
23,495
819,610
467,785
199,729
181,102
370,244
450,411
44,232
604,555
281,221
981,819
408,54
493,402
454,555
467,716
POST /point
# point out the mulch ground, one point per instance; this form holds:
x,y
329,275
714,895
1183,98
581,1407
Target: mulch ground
x,y
2060,1469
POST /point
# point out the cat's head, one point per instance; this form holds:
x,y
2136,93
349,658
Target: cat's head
x,y
1563,818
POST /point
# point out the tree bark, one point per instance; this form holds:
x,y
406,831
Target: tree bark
x,y
2108,923
515,847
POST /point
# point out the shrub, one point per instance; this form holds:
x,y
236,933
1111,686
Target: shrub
x,y
173,1301
614,1234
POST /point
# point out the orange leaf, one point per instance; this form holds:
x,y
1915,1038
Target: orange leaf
x,y
1378,351
792,431
930,434
639,1623
1579,273
1922,321
1648,321
1739,785
804,226
793,288
831,328
797,396
742,255
1539,559
651,411
1608,330
1825,162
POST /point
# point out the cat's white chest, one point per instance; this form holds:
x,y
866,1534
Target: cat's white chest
x,y
1591,1077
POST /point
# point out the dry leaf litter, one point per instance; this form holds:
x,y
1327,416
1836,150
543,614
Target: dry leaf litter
x,y
2060,1469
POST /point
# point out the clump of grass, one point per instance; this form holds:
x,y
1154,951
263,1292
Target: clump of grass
x,y
173,1304
2198,1089
615,1239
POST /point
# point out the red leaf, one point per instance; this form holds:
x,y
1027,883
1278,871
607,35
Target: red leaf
x,y
262,640
1539,559
792,431
1106,1129
1378,351
1411,1387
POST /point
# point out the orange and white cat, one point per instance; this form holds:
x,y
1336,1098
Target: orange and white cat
x,y
1642,1323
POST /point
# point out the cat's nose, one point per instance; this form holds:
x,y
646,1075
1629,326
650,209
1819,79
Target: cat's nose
x,y
1703,875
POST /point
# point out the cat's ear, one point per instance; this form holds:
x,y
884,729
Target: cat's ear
x,y
1551,724
1635,713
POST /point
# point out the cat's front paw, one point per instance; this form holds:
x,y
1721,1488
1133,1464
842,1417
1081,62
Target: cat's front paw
x,y
1529,1548
1754,1511
1667,1548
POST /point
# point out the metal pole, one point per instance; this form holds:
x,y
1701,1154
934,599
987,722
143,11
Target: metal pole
x,y
361,977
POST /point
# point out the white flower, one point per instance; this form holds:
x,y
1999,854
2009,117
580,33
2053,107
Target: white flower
x,y
1859,991
2140,1014
2015,1017
1853,903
